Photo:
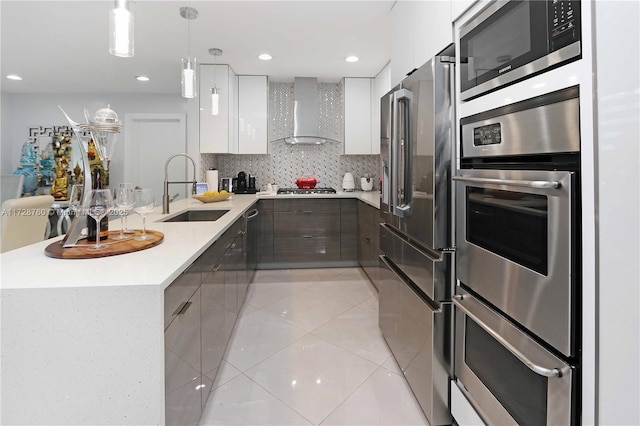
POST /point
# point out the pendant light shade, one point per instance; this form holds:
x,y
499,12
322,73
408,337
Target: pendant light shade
x,y
215,101
189,83
121,30
189,69
214,104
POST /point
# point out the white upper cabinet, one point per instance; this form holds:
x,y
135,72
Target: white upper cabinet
x,y
218,133
357,115
253,93
420,29
362,112
458,7
401,41
381,85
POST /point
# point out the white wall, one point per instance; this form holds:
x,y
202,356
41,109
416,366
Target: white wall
x,y
617,47
21,111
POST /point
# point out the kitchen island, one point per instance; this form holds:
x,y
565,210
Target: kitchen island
x,y
83,340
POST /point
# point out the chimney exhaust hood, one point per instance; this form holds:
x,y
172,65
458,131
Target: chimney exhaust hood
x,y
306,113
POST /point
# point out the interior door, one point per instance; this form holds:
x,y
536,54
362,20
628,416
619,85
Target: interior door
x,y
149,140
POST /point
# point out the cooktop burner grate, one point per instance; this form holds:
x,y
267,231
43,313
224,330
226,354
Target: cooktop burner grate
x,y
306,191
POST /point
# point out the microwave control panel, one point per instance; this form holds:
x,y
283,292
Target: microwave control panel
x,y
565,23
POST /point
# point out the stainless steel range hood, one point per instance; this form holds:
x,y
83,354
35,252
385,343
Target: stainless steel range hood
x,y
306,113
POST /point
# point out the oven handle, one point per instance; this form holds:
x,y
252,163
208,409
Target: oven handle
x,y
535,184
543,371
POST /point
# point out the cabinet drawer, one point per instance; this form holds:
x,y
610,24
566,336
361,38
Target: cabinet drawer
x,y
180,291
307,223
305,204
313,248
182,365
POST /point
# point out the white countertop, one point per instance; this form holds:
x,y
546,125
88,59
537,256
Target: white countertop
x,y
90,333
29,267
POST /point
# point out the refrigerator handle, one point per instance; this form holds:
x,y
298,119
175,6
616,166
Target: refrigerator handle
x,y
402,195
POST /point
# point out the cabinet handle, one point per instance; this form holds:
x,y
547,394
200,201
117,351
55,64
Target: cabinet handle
x,y
182,308
307,211
307,236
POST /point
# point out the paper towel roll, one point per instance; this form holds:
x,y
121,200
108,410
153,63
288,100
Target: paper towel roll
x,y
212,180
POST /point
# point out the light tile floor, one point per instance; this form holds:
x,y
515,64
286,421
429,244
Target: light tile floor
x,y
307,350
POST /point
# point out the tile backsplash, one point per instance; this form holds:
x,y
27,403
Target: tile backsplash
x,y
285,162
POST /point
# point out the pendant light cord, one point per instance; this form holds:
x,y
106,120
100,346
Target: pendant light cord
x,y
188,38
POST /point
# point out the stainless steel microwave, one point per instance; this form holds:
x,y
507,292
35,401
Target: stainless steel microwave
x,y
512,40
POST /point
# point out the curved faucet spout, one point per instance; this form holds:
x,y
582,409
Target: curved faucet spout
x,y
165,196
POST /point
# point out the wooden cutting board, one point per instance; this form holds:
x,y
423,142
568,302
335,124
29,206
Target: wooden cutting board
x,y
114,247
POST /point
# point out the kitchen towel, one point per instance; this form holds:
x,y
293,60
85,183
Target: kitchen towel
x,y
212,180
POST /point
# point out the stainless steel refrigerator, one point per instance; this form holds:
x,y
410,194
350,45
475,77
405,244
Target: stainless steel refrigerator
x,y
415,269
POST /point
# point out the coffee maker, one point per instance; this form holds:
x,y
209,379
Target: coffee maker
x,y
243,185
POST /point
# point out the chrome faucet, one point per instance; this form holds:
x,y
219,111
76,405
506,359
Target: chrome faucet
x,y
165,196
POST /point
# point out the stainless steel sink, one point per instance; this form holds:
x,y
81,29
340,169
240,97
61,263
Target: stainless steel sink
x,y
197,216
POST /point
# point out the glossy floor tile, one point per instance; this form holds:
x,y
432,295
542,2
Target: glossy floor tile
x,y
308,309
387,399
242,402
357,331
312,376
257,336
307,350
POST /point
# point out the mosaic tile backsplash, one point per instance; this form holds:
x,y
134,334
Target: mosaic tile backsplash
x,y
285,163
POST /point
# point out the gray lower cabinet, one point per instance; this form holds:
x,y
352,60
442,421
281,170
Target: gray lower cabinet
x,y
265,233
368,240
309,232
183,377
201,309
348,229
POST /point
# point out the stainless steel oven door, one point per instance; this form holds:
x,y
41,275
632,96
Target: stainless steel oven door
x,y
514,247
509,378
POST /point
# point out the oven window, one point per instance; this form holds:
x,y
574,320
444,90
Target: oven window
x,y
510,224
520,391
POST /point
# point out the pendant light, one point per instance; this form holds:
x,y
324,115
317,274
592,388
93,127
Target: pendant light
x,y
121,30
189,86
214,107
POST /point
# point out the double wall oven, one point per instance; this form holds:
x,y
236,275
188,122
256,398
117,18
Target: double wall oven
x,y
517,348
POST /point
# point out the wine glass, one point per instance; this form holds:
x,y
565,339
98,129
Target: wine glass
x,y
97,205
75,197
144,203
124,202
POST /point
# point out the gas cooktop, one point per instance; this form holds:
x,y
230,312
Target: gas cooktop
x,y
306,191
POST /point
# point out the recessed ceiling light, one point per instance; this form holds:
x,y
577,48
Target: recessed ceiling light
x,y
142,78
14,77
352,59
264,57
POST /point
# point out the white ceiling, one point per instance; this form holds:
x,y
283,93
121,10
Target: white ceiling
x,y
62,46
